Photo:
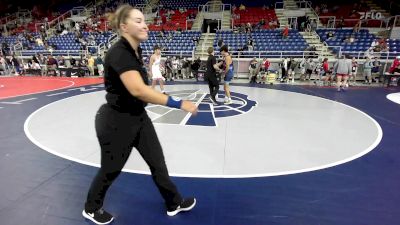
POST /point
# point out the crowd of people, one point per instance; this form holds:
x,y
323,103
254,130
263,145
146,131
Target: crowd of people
x,y
49,65
321,71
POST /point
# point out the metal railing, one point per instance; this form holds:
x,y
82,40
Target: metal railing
x,y
54,52
273,54
210,7
303,4
171,53
333,22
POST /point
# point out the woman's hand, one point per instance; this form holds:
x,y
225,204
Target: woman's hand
x,y
188,106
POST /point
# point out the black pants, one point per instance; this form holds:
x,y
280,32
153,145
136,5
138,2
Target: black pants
x,y
118,133
214,86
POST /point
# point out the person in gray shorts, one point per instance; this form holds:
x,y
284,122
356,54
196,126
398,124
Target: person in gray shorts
x,y
367,70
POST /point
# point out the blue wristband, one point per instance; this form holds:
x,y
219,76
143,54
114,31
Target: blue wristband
x,y
174,102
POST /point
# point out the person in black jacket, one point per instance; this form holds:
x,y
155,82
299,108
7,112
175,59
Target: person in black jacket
x,y
211,74
195,68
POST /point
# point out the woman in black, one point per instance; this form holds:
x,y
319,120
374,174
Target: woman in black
x,y
122,123
211,74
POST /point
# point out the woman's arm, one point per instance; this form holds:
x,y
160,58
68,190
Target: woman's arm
x,y
136,87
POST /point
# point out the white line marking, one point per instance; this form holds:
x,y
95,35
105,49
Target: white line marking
x,y
230,107
59,93
187,117
162,114
370,148
18,102
394,97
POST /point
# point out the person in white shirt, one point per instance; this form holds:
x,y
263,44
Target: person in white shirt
x,y
155,71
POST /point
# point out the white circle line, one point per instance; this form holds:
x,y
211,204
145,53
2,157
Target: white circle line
x,y
289,172
394,97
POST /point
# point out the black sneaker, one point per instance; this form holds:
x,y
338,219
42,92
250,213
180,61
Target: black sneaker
x,y
213,100
98,217
186,205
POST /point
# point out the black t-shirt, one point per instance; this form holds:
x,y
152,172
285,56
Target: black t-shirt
x,y
120,58
211,61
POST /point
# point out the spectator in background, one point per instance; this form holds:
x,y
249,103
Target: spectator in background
x,y
265,65
52,65
309,68
100,65
302,69
90,65
250,46
60,60
39,42
342,70
253,70
248,28
375,43
235,29
367,71
376,66
195,68
195,40
4,48
175,65
330,34
220,42
285,32
313,25
3,65
383,45
242,7
168,68
341,23
317,9
16,64
354,69
262,22
284,67
185,68
291,68
325,73
395,68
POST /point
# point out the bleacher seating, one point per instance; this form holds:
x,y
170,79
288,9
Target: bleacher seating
x,y
67,43
178,20
247,3
363,41
254,16
180,42
12,40
264,40
136,2
174,4
344,10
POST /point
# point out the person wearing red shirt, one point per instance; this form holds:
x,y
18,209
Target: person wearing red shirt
x,y
285,32
325,73
395,65
267,64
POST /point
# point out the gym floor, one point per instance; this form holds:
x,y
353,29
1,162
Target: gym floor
x,y
281,154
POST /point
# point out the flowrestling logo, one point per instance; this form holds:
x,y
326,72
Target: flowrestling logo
x,y
207,113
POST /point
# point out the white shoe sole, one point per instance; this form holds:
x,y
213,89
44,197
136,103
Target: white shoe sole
x,y
173,213
84,214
